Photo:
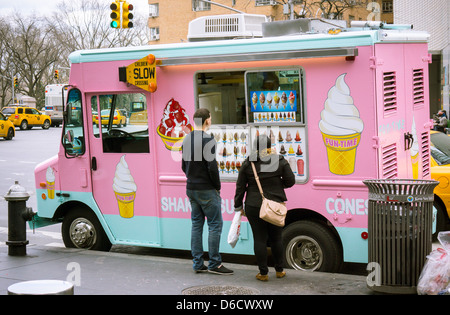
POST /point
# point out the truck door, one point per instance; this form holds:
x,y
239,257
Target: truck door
x,y
391,111
122,168
402,110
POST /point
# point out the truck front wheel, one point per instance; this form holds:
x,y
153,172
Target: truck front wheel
x,y
81,229
311,246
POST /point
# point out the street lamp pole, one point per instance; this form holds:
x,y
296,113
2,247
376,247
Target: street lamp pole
x,y
12,85
291,7
223,6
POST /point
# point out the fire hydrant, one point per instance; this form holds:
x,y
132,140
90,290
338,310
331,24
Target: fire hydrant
x,y
18,215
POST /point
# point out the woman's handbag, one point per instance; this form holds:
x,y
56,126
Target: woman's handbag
x,y
270,211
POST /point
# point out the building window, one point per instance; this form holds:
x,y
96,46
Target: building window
x,y
265,2
388,6
153,10
154,33
198,5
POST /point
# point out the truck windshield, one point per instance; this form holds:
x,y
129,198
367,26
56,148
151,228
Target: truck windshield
x,y
440,148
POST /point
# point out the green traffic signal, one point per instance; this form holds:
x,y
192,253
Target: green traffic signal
x,y
115,14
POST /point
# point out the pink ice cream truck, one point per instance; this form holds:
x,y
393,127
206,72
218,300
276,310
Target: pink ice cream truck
x,y
341,106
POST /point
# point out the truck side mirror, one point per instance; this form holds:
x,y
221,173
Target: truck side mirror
x,y
68,137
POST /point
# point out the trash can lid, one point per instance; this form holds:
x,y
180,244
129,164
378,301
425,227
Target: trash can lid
x,y
401,190
41,287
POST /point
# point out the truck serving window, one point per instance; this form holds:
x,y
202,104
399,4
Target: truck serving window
x,y
274,96
223,93
123,125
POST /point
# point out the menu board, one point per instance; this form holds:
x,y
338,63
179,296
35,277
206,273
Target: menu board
x,y
231,150
234,144
274,106
289,142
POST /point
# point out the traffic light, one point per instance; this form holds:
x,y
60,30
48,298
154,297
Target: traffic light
x,y
16,82
115,14
127,16
56,74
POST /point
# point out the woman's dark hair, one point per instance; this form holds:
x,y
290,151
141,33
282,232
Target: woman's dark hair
x,y
201,114
262,142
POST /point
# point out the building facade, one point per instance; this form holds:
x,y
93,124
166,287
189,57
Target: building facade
x,y
432,16
169,19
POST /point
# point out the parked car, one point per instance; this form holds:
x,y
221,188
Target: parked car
x,y
440,171
26,117
119,119
7,129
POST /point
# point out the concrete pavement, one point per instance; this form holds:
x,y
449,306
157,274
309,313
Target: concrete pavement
x,y
100,273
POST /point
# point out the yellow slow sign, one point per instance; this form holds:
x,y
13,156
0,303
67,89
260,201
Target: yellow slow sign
x,y
142,73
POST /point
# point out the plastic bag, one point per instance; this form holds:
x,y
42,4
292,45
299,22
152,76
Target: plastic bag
x,y
235,229
435,276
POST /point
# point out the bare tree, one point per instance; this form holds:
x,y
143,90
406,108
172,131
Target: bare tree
x,y
85,24
6,69
32,47
31,52
333,9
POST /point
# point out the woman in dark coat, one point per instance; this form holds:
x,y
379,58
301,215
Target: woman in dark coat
x,y
275,175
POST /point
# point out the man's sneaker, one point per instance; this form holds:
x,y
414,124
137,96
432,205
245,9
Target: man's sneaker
x,y
202,269
221,270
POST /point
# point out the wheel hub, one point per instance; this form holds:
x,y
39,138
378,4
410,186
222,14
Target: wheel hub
x,y
304,253
82,233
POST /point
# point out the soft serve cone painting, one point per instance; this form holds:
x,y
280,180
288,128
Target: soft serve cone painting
x,y
125,189
341,128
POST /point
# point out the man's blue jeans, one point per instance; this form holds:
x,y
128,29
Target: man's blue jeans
x,y
205,203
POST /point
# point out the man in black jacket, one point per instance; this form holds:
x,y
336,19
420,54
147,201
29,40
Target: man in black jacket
x,y
203,189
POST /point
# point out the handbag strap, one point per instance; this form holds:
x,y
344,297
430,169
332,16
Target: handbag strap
x,y
257,180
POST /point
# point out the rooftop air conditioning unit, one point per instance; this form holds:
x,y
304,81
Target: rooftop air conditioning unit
x,y
228,26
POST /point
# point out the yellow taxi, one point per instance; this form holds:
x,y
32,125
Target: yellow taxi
x,y
27,117
7,129
119,119
440,171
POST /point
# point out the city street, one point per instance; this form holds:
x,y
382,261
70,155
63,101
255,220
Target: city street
x,y
18,158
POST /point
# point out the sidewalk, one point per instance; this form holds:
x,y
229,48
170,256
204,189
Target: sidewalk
x,y
128,274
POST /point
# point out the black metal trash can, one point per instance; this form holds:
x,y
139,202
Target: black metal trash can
x,y
400,231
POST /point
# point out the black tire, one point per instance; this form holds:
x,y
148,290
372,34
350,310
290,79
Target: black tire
x,y
10,134
24,125
46,124
82,229
311,246
442,220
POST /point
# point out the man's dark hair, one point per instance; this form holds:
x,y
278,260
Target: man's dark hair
x,y
203,114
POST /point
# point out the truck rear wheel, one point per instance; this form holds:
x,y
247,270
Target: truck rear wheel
x,y
81,229
311,246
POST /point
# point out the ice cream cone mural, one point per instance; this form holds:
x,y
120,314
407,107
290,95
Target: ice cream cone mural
x,y
341,128
414,151
50,178
125,189
174,125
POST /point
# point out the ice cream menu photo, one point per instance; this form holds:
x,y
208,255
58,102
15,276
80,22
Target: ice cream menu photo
x,y
273,106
